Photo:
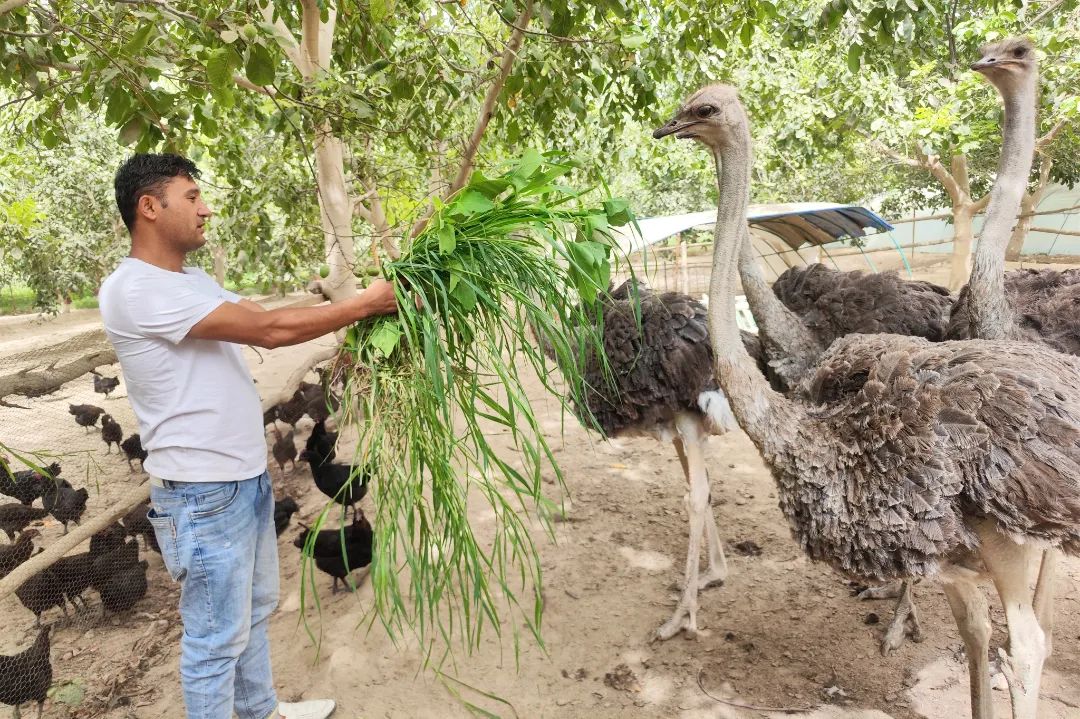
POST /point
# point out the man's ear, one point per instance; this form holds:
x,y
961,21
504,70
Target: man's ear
x,y
148,206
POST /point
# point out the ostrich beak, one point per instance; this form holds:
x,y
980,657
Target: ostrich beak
x,y
675,127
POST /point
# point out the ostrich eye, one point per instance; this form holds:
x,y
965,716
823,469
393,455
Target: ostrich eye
x,y
1019,52
705,110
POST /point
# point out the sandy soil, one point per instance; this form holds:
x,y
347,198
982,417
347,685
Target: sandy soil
x,y
782,632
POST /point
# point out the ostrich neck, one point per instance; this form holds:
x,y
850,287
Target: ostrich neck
x,y
991,315
755,404
783,331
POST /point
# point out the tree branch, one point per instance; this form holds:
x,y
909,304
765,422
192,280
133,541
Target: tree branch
x,y
487,111
243,82
980,204
166,7
309,32
34,383
10,5
286,40
1046,139
960,173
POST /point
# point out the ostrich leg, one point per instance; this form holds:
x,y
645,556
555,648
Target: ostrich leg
x,y
972,616
716,571
905,622
1044,596
692,436
1009,564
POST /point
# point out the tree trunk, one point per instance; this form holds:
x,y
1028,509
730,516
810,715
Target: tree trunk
x,y
218,253
336,210
1028,204
963,238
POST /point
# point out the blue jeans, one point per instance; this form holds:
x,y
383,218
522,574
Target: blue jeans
x,y
217,539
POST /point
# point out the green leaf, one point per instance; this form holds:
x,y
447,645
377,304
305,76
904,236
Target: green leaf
x,y
633,41
385,338
219,68
137,43
747,33
488,187
530,161
465,296
380,9
132,130
618,211
447,240
854,57
469,203
260,65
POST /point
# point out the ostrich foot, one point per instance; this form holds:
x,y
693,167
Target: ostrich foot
x,y
683,620
885,591
905,623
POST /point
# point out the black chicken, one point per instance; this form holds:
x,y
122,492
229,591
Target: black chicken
x,y
104,385
322,443
65,503
86,415
137,524
284,449
25,485
270,415
42,592
133,449
111,562
283,510
107,540
327,551
333,480
74,573
124,587
26,676
18,552
290,412
15,516
111,433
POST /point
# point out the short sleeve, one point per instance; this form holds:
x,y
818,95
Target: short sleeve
x,y
171,307
211,284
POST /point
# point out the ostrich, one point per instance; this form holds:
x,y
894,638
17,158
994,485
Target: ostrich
x,y
908,459
658,382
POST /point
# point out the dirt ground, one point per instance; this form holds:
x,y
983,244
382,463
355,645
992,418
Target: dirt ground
x,y
781,633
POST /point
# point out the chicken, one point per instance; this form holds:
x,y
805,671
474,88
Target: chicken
x,y
283,510
124,587
327,551
322,443
26,676
104,385
115,560
334,481
74,573
136,524
18,552
15,516
133,449
111,433
284,449
107,540
42,592
270,415
290,412
65,503
86,415
25,485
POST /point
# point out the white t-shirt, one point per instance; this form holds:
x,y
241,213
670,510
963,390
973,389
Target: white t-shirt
x,y
199,414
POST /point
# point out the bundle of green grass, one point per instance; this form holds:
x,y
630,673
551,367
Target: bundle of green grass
x,y
434,383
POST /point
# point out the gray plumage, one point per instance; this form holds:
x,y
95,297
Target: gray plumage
x,y
832,303
1044,304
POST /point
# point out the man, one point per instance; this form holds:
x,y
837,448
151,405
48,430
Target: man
x,y
177,335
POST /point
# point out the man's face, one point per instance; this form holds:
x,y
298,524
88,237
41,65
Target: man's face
x,y
184,214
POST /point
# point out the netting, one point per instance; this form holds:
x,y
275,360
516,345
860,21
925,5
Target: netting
x,y
83,629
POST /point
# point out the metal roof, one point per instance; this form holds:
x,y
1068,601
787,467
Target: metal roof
x,y
795,224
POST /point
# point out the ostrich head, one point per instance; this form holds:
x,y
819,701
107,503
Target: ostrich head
x,y
1009,64
713,116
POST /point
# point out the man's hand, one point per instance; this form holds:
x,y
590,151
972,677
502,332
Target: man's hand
x,y
378,298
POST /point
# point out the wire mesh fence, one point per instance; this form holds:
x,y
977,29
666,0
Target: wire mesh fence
x,y
81,630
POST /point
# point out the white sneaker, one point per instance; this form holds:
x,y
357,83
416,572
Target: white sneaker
x,y
311,709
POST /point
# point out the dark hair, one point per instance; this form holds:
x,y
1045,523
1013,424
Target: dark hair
x,y
147,174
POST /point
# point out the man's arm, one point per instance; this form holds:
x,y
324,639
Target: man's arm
x,y
253,306
235,322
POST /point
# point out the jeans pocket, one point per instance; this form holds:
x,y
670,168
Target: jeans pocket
x,y
165,531
215,501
